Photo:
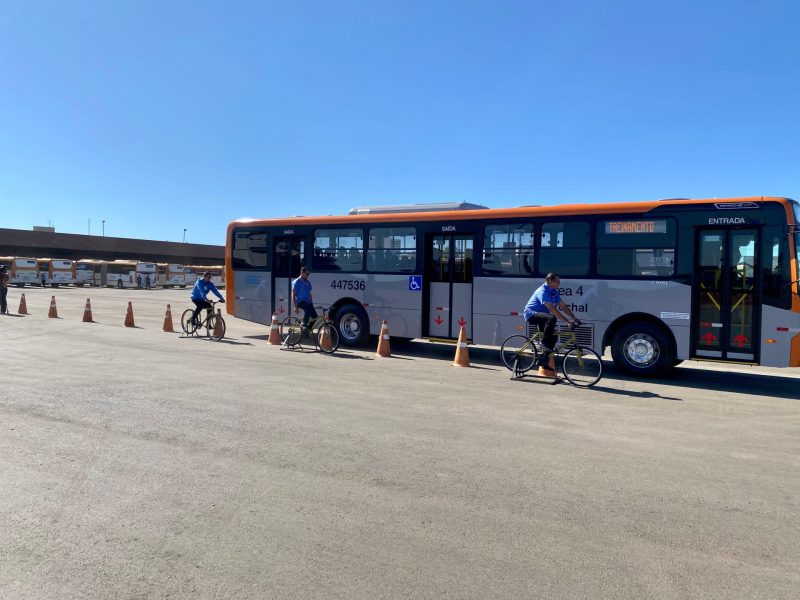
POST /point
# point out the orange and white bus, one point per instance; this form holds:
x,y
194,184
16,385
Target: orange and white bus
x,y
196,272
21,271
58,271
171,275
88,271
120,273
657,282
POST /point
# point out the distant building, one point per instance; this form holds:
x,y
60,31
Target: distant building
x,y
43,241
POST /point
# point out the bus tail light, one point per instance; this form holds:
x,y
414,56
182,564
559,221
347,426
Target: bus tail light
x,y
771,341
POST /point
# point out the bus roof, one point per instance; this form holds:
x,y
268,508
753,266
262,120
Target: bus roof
x,y
501,213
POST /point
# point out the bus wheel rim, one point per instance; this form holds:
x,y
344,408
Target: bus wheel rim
x,y
350,326
641,350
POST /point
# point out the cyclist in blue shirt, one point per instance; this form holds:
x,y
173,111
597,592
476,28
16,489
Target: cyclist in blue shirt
x,y
301,295
543,310
199,293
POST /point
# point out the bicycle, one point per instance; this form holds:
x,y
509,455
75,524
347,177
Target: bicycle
x,y
321,330
580,365
214,323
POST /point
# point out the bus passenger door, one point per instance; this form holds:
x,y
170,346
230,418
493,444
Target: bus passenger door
x,y
725,316
449,278
288,255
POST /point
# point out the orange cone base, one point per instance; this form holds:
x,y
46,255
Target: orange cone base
x,y
87,312
274,332
218,324
129,316
168,328
383,342
462,353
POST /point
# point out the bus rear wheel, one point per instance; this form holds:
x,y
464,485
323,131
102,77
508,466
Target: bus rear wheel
x,y
643,350
353,325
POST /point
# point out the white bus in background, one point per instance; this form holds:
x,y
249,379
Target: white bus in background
x,y
121,273
57,271
146,275
171,275
217,274
88,271
21,270
190,275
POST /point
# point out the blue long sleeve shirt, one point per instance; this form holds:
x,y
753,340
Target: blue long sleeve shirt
x,y
201,290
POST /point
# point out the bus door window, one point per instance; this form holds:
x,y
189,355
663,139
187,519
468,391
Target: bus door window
x,y
287,258
726,294
450,285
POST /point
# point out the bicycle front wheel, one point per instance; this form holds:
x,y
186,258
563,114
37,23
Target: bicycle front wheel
x,y
327,338
291,331
518,354
186,322
582,367
216,327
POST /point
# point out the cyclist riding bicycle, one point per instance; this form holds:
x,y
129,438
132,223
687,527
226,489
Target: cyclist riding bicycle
x,y
301,296
543,309
199,293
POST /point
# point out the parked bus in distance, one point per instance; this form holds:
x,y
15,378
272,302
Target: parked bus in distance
x,y
171,275
121,273
657,282
21,271
88,271
190,275
217,274
57,271
146,275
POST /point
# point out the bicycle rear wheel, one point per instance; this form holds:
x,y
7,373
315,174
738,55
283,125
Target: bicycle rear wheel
x,y
518,354
186,322
216,327
291,331
327,338
582,367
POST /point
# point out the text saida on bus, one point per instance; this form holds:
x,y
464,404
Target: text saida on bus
x,y
657,282
21,271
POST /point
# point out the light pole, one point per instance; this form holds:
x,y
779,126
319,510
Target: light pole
x,y
184,235
104,228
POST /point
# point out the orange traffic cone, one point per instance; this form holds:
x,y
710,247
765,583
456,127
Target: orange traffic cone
x,y
274,332
53,312
383,341
550,369
23,307
129,316
87,312
325,343
462,354
218,330
168,321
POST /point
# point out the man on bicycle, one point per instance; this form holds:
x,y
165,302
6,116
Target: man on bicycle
x,y
199,293
543,310
301,296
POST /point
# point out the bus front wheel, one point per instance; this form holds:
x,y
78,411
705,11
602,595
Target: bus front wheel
x,y
353,325
642,349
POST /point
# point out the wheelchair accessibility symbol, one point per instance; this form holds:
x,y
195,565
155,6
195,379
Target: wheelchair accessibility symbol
x,y
415,282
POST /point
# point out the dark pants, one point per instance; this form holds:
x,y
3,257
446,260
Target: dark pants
x,y
3,296
200,304
309,312
546,324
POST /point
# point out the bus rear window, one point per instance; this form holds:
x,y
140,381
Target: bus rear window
x,y
249,251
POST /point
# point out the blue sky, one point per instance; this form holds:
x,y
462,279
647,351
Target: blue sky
x,y
160,116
